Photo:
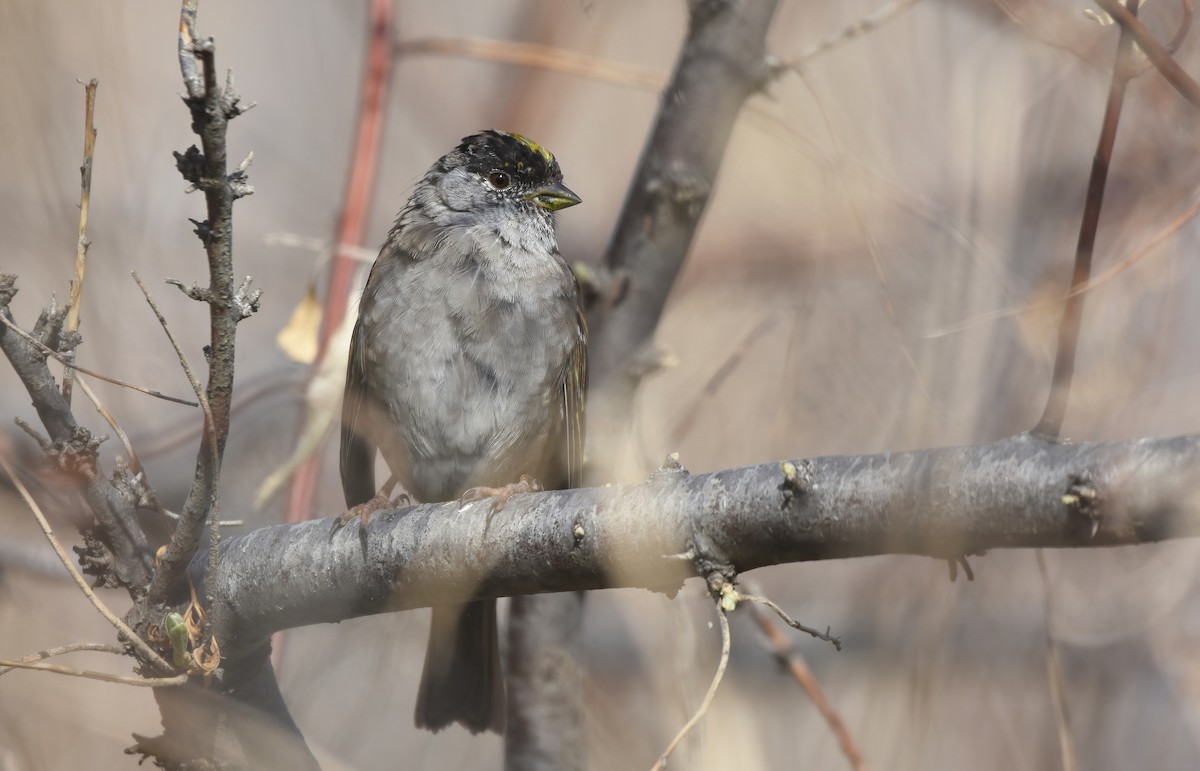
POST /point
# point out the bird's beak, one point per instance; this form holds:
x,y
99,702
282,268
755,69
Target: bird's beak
x,y
553,196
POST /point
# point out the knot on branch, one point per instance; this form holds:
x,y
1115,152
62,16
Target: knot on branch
x,y
76,456
682,185
671,469
8,290
202,230
96,560
797,480
245,300
1083,500
190,164
196,292
48,329
238,185
600,286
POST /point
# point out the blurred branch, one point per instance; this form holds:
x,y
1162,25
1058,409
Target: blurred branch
x,y
1058,693
64,649
794,663
1068,329
702,710
81,245
119,554
539,56
356,207
1159,56
723,61
1170,229
145,682
855,29
147,654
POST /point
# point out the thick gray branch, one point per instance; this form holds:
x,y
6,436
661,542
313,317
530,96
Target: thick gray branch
x,y
722,62
1019,492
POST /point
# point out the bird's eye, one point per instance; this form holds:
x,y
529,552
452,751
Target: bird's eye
x,y
499,180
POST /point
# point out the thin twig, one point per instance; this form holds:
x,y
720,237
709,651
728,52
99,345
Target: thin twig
x,y
144,682
81,246
836,642
135,464
1185,26
1159,56
146,490
149,655
48,351
872,246
537,56
1058,696
72,648
855,29
214,503
661,763
1068,330
791,660
1173,227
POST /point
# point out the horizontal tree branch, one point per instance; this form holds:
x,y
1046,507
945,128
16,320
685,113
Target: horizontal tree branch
x,y
1018,492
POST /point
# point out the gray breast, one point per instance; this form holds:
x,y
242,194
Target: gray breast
x,y
468,370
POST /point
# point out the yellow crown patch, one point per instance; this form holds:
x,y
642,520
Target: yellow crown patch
x,y
534,146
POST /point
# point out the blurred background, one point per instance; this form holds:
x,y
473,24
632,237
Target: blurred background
x,y
871,216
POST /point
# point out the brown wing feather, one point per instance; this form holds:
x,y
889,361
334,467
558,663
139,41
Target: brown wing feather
x,y
356,459
575,386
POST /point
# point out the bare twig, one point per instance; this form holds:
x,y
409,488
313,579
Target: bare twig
x,y
214,502
1185,26
149,655
135,464
212,107
63,649
356,206
702,710
538,56
795,664
144,682
65,361
872,246
857,28
1171,228
81,246
836,642
1068,330
1159,56
1058,695
723,61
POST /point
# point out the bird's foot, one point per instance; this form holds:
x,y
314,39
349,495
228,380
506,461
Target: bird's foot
x,y
363,511
500,495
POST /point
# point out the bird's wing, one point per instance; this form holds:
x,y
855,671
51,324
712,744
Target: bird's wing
x,y
575,385
357,456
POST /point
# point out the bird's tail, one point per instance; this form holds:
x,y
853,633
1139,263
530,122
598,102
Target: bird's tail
x,y
462,681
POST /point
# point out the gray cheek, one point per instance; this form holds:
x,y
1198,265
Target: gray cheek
x,y
461,192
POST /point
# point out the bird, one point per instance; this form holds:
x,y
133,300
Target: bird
x,y
468,373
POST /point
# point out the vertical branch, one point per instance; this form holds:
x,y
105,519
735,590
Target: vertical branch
x,y
1068,330
81,246
352,224
212,108
723,61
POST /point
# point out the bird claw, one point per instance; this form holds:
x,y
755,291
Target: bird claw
x,y
499,495
363,511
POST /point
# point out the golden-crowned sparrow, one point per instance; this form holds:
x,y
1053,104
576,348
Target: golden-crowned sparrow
x,y
468,370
